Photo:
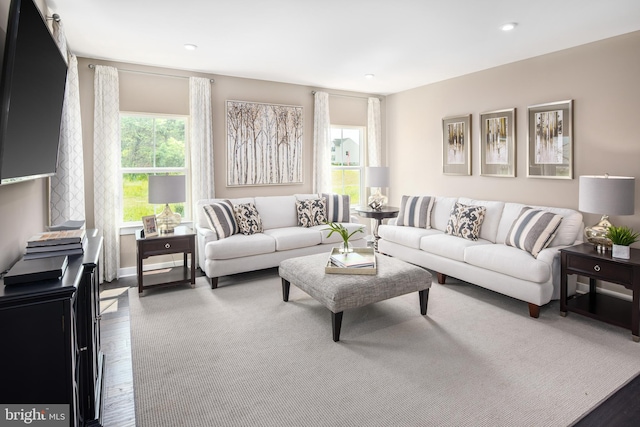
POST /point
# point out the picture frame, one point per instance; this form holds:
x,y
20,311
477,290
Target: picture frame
x,y
550,140
498,143
456,145
264,144
149,226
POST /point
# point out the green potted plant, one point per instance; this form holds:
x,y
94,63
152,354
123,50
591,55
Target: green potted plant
x,y
336,227
621,237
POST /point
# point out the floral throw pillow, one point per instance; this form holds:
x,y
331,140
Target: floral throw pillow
x,y
248,218
465,221
311,212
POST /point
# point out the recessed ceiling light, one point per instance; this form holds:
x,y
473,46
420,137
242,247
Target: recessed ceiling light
x,y
508,26
369,76
189,46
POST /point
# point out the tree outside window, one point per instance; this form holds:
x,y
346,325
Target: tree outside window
x,y
150,144
347,154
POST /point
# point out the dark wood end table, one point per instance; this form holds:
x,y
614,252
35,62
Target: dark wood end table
x,y
584,260
379,215
182,240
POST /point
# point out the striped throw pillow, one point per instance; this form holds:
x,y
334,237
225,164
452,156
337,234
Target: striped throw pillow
x,y
533,230
221,218
337,207
415,211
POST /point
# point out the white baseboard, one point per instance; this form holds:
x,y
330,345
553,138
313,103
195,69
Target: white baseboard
x,y
583,288
132,271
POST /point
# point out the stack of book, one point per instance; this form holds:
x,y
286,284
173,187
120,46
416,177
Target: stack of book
x,y
352,260
55,243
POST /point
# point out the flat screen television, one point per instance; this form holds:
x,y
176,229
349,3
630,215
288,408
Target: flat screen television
x,y
32,83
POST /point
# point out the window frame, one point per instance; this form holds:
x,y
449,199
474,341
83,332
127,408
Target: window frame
x,y
187,217
361,167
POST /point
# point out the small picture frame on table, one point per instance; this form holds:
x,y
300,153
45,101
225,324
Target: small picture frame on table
x,y
149,225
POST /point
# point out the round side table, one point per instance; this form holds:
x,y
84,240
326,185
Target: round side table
x,y
378,215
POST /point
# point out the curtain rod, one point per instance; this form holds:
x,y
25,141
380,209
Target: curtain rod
x,y
313,92
92,66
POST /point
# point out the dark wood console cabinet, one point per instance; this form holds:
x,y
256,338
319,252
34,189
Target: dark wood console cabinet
x,y
50,334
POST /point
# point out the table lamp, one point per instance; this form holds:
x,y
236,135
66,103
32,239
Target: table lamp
x,y
605,195
167,189
377,177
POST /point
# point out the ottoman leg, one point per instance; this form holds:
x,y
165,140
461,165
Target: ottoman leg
x,y
285,290
336,323
424,298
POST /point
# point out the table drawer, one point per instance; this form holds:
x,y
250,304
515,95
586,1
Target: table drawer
x,y
601,269
166,245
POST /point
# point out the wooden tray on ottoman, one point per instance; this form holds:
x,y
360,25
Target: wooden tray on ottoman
x,y
331,268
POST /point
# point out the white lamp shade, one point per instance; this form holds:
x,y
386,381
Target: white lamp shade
x,y
377,176
607,195
166,189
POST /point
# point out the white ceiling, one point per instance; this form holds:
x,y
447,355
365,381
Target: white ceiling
x,y
334,43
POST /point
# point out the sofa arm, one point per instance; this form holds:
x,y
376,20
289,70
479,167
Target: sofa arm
x,y
206,234
552,257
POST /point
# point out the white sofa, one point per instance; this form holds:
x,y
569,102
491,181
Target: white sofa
x,y
281,239
487,262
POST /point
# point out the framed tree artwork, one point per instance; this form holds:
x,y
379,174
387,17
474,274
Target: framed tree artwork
x,y
264,144
498,143
456,145
550,140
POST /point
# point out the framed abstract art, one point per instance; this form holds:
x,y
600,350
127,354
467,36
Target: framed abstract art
x,y
498,143
550,140
456,145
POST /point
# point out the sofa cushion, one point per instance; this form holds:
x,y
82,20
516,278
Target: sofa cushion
x,y
306,196
277,211
221,218
415,211
335,237
492,216
311,212
520,264
248,218
240,245
337,207
441,211
533,230
449,246
568,232
466,221
201,217
287,238
406,236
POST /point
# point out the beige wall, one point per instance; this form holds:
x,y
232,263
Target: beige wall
x,y
144,92
603,80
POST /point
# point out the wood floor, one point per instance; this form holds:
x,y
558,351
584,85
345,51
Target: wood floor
x,y
621,409
118,404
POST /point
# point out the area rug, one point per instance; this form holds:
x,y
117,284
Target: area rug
x,y
239,355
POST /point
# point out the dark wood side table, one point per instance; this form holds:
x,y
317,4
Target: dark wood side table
x,y
584,260
378,215
182,240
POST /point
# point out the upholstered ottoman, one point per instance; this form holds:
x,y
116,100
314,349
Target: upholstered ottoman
x,y
339,292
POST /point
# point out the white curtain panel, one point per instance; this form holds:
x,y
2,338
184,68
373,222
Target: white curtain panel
x,y
374,132
322,144
67,186
202,184
106,160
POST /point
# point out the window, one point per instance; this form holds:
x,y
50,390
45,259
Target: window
x,y
347,161
150,144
